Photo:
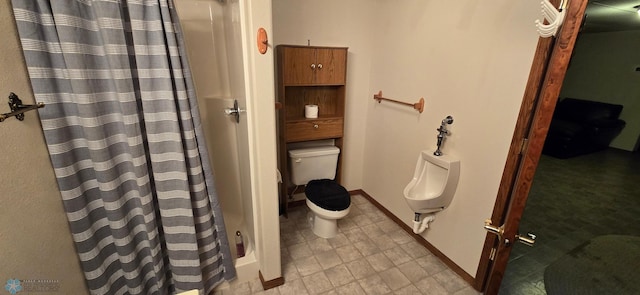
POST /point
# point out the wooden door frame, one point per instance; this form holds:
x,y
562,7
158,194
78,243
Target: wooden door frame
x,y
541,94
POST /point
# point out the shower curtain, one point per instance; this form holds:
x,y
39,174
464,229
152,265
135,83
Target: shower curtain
x,y
123,132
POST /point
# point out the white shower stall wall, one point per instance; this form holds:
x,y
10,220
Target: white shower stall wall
x,y
214,47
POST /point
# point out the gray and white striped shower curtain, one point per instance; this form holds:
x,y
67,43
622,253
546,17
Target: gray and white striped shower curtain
x,y
122,128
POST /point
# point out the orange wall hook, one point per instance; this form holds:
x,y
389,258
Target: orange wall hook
x,y
263,41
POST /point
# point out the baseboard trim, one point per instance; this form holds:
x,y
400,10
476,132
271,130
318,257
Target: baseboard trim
x,y
266,285
452,265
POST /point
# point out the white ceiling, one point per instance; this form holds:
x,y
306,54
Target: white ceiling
x,y
611,15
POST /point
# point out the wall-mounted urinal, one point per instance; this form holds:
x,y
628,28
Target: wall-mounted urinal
x,y
433,185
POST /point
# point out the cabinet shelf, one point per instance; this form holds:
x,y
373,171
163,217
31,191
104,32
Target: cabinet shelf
x,y
314,84
319,118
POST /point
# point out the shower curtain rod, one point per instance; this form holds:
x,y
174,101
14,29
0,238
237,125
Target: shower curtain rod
x,y
18,109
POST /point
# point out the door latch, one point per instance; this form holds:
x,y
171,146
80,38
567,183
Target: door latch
x,y
528,240
498,230
235,111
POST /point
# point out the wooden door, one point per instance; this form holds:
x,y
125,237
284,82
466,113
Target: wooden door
x,y
331,65
533,124
299,64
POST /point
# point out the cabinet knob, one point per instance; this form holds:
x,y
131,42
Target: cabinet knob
x,y
316,126
313,66
320,66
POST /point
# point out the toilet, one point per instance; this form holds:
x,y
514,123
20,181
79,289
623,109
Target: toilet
x,y
328,201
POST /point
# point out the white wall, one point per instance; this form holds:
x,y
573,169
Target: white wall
x,y
260,91
35,242
602,69
467,59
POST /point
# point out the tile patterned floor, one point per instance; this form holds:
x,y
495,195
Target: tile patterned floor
x,y
571,201
370,255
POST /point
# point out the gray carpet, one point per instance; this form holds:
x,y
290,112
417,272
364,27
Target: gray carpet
x,y
604,265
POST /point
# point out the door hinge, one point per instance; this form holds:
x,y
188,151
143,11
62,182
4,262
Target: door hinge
x,y
492,255
523,146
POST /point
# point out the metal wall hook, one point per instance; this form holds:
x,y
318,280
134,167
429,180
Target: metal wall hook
x,y
18,109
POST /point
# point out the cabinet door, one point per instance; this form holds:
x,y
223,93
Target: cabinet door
x,y
299,65
331,65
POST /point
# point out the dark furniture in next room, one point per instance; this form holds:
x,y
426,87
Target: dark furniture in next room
x,y
580,127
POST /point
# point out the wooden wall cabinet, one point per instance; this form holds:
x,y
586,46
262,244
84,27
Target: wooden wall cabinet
x,y
313,65
309,75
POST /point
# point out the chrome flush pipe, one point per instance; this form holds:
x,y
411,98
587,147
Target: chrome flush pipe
x,y
442,133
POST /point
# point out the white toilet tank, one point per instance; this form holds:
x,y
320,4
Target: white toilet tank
x,y
313,163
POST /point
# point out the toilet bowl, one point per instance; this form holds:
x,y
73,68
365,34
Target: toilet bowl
x,y
434,183
328,201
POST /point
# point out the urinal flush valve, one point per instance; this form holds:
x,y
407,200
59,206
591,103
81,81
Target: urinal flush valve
x,y
442,133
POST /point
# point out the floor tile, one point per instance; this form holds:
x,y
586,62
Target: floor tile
x,y
356,235
328,259
431,264
413,271
379,262
394,278
570,202
339,275
372,230
430,286
351,289
407,290
320,245
317,283
414,249
450,281
388,226
348,253
339,240
362,220
371,254
307,266
300,250
360,268
400,237
293,287
397,255
374,285
366,247
383,242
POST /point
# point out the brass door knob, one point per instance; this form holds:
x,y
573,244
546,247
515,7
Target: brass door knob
x,y
498,230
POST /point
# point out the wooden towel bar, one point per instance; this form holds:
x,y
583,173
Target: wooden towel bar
x,y
418,105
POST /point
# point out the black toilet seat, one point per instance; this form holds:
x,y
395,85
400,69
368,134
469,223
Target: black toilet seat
x,y
328,194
